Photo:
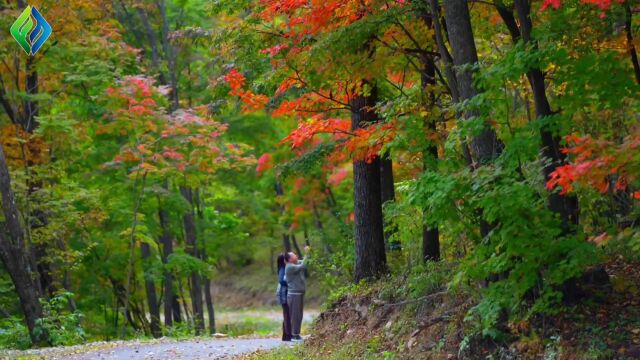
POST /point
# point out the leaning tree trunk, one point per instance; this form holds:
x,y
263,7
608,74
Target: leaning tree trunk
x,y
15,257
565,206
192,249
152,299
371,260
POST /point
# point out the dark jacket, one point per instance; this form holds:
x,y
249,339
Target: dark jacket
x,y
282,288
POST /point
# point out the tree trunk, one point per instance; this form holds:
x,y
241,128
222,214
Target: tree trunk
x,y
152,299
192,249
286,242
565,206
35,218
388,194
438,34
633,54
170,56
371,260
167,249
205,279
15,258
138,195
320,227
183,301
484,145
295,244
430,234
210,310
175,305
307,240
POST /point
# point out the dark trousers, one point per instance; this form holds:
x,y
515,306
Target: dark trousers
x,y
296,305
286,323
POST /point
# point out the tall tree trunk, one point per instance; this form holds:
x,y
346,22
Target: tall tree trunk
x,y
35,217
430,234
371,260
192,249
13,252
206,279
286,242
175,305
295,244
633,54
170,56
447,60
484,145
320,227
565,206
307,240
167,249
15,258
210,309
388,194
183,301
138,195
152,299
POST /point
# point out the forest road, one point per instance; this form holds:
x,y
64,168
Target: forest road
x,y
187,349
190,349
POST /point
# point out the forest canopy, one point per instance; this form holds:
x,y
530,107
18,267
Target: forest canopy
x,y
151,146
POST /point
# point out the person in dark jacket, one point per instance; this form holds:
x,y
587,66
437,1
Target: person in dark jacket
x,y
282,299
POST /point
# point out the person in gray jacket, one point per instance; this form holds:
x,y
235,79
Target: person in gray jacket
x,y
296,282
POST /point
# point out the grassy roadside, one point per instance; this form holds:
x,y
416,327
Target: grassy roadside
x,y
380,321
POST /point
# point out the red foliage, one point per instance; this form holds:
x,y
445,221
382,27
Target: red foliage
x,y
602,4
596,162
252,102
235,80
336,178
264,163
307,130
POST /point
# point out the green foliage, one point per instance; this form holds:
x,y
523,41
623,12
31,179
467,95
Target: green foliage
x,y
63,326
525,257
261,326
78,175
14,334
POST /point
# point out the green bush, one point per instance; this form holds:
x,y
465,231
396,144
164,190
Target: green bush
x,y
14,334
62,326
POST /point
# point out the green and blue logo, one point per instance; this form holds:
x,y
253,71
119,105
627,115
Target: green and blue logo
x,y
31,30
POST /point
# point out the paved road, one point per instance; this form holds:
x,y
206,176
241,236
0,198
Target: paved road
x,y
134,350
193,349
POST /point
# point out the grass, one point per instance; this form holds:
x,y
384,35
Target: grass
x,y
258,325
281,353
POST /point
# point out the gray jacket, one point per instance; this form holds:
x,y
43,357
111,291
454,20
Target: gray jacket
x,y
294,274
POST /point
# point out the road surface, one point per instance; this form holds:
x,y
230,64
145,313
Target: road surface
x,y
158,350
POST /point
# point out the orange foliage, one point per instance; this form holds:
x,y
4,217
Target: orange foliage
x,y
595,161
